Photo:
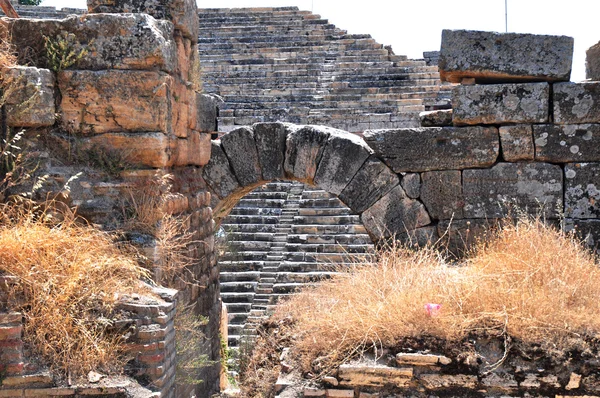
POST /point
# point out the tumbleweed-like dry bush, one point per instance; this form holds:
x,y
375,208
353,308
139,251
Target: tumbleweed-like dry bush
x,y
529,282
70,278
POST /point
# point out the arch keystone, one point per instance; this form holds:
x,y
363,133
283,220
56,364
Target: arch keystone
x,y
270,143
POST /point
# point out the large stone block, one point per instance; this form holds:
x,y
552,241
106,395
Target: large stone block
x,y
503,57
366,375
501,103
195,150
218,173
576,102
441,192
436,148
95,102
29,98
343,155
517,142
394,214
491,193
183,13
582,190
592,62
111,41
240,148
567,143
270,143
371,182
304,149
207,108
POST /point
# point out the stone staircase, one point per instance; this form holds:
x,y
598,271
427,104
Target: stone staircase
x,y
284,64
281,237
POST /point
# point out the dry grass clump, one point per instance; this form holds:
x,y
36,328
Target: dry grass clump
x,y
70,278
530,282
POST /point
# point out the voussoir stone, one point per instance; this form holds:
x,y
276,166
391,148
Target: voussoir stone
x,y
218,173
435,148
95,102
240,148
592,62
582,190
342,157
501,103
535,187
351,375
517,142
110,41
441,192
29,98
567,143
304,150
576,102
394,213
504,57
373,180
270,143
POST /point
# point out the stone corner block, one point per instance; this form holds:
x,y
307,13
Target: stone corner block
x,y
504,57
29,97
576,102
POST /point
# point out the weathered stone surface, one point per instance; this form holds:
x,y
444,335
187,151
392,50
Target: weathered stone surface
x,y
218,173
342,157
592,62
183,13
567,143
373,180
411,182
304,149
111,41
270,143
576,102
586,230
501,103
489,193
503,57
420,237
405,358
582,190
439,118
207,107
435,148
441,192
517,143
394,213
195,150
29,97
574,382
437,381
502,382
148,149
95,102
240,148
373,375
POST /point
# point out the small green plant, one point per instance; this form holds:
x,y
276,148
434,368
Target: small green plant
x,y
190,358
63,51
30,2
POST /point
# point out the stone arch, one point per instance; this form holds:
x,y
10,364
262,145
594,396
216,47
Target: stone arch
x,y
336,161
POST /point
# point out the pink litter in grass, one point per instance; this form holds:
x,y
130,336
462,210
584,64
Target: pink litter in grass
x,y
433,309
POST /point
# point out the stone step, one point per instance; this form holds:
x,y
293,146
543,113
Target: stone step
x,y
327,220
238,308
239,276
239,266
231,297
328,248
329,239
328,229
238,287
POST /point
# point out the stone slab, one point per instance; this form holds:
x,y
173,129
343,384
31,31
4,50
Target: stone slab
x,y
437,381
576,102
435,148
218,173
240,148
406,358
582,190
441,192
567,143
394,213
351,375
534,187
111,41
270,143
29,98
439,118
517,143
373,180
592,62
304,149
504,57
95,102
501,103
342,157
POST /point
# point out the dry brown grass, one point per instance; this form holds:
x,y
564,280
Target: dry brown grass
x,y
70,278
529,282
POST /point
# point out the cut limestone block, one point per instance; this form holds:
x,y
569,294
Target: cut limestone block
x,y
491,193
195,150
373,375
504,57
501,103
110,41
576,102
270,142
582,190
411,182
240,148
567,143
592,62
207,107
395,213
441,192
29,97
517,142
95,102
435,148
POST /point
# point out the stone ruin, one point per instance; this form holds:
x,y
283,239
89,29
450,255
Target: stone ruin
x,y
519,135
